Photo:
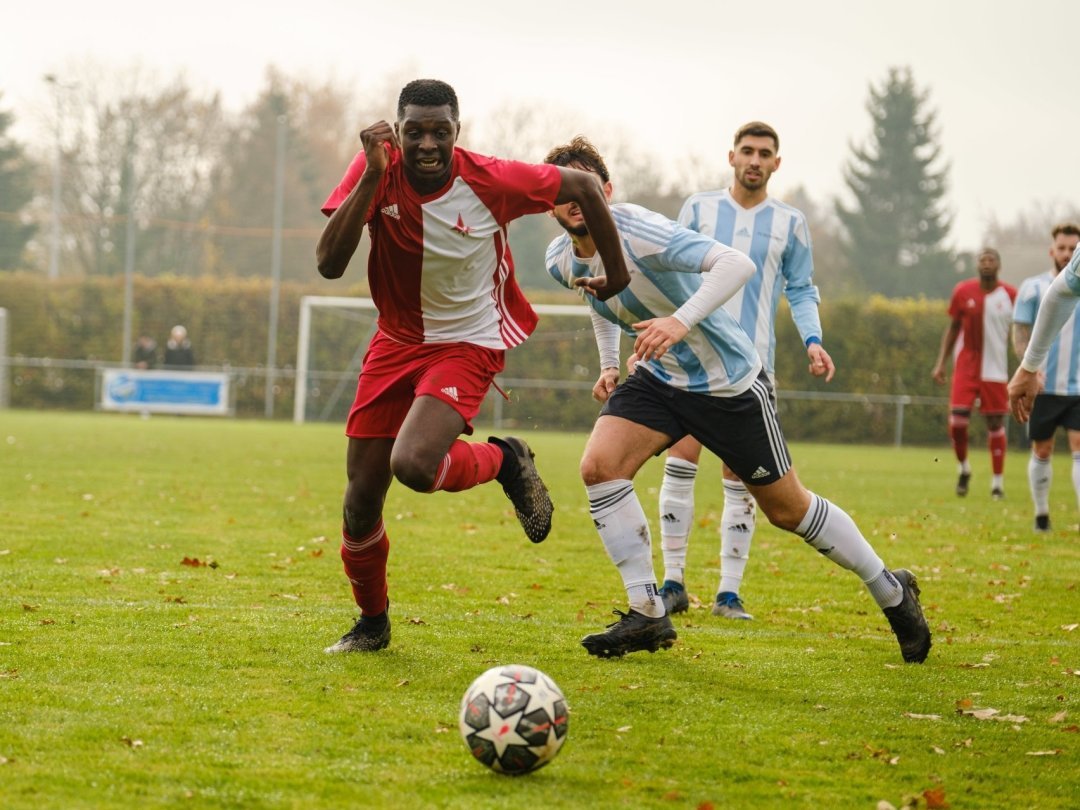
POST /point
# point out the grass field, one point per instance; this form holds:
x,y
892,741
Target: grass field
x,y
131,679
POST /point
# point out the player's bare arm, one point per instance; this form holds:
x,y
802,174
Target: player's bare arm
x,y
821,365
342,233
584,188
1023,388
948,341
1021,336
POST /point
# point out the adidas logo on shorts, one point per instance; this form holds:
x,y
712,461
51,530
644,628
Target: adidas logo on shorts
x,y
451,392
760,472
391,211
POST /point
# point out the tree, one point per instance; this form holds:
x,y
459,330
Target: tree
x,y
16,190
896,229
133,145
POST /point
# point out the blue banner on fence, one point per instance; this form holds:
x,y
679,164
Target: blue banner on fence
x,y
193,392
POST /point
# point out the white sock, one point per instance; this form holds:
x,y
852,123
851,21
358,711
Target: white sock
x,y
676,515
997,482
965,467
1076,477
1040,476
624,530
831,531
736,533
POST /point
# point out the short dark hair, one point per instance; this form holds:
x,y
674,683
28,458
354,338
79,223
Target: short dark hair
x,y
427,93
579,152
989,251
757,129
1067,228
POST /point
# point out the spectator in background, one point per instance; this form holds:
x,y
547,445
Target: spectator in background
x,y
145,352
178,351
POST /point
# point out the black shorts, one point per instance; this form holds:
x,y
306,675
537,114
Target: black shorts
x,y
742,430
1050,412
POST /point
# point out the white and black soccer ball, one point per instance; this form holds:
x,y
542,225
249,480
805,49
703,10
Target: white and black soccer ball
x,y
513,719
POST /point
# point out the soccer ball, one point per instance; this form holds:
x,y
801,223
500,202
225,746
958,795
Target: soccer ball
x,y
513,719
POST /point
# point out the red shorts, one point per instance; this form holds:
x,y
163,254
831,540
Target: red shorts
x,y
395,374
993,397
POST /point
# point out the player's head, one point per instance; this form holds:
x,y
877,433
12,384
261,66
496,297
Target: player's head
x,y
755,155
578,154
1066,236
427,128
988,263
178,334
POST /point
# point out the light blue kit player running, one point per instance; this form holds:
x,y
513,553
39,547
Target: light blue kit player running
x,y
777,239
698,374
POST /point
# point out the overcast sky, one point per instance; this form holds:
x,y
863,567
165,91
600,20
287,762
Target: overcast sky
x,y
674,77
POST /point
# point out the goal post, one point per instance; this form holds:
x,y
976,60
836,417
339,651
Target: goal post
x,y
310,305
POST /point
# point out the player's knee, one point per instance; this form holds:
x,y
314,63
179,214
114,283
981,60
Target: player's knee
x,y
959,419
358,522
413,473
594,470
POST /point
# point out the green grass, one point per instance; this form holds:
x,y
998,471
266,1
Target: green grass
x,y
128,679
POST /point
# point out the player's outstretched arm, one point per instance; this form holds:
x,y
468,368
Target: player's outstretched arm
x,y
342,233
1023,388
584,189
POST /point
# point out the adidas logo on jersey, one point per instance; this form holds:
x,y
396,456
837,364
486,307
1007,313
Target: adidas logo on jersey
x,y
760,472
451,391
743,231
391,211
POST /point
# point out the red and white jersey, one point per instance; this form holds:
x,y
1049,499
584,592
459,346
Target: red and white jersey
x,y
440,268
982,351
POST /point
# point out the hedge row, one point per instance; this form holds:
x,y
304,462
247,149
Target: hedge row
x,y
880,346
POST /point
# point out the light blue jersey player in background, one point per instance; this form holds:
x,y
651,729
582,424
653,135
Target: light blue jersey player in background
x,y
697,374
776,237
1058,403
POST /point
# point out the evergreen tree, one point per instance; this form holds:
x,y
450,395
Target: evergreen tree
x,y
896,229
16,190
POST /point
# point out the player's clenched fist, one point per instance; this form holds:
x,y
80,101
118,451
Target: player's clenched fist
x,y
378,140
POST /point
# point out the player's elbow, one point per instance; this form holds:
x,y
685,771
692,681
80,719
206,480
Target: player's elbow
x,y
744,268
329,265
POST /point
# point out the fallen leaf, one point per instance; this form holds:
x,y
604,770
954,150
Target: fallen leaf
x,y
922,716
623,729
935,798
441,729
30,608
416,620
193,562
1068,628
1059,717
130,743
403,683
1053,753
884,805
937,750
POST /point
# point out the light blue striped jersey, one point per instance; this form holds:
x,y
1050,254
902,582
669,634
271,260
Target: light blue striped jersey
x,y
776,237
664,259
1062,364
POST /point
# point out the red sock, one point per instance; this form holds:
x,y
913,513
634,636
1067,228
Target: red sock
x,y
958,430
996,440
365,566
467,465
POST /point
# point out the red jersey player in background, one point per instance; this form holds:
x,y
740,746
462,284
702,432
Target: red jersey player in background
x,y
442,278
981,312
